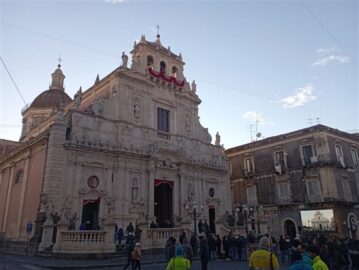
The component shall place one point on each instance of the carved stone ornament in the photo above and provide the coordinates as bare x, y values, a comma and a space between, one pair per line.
92, 182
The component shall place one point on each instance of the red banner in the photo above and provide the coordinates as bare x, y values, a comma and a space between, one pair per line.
159, 182
86, 202
163, 76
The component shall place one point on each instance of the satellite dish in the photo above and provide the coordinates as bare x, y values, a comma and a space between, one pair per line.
258, 135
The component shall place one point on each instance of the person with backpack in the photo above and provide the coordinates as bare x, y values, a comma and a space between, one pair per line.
262, 258
136, 257
179, 262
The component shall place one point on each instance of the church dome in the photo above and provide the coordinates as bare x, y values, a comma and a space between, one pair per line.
51, 98
56, 95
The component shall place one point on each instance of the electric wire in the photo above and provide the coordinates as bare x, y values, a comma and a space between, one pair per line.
13, 81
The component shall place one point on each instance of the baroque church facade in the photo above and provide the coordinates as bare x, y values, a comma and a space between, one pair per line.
129, 149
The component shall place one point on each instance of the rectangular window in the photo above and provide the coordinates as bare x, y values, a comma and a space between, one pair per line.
339, 154
313, 189
163, 123
249, 165
307, 151
346, 189
355, 158
283, 188
252, 195
280, 159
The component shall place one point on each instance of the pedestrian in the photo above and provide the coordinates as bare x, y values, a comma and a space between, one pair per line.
128, 249
297, 263
203, 246
212, 247
225, 247
343, 255
179, 262
136, 257
263, 258
219, 246
138, 233
171, 248
182, 237
194, 244
130, 229
188, 251
318, 263
283, 247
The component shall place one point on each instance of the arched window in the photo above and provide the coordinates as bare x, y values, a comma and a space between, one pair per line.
174, 71
19, 176
162, 67
149, 60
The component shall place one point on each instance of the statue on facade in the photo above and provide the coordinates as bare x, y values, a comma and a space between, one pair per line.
78, 97
124, 60
194, 86
136, 109
218, 139
190, 192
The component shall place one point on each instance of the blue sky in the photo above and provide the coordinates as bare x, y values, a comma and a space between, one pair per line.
284, 61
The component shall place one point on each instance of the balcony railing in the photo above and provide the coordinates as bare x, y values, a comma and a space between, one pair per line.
163, 135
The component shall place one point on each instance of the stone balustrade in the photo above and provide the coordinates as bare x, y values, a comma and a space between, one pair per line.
84, 241
157, 237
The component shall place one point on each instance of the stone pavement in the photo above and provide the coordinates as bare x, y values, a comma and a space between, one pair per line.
149, 262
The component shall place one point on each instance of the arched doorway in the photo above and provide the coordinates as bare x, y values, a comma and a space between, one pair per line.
289, 228
90, 210
163, 203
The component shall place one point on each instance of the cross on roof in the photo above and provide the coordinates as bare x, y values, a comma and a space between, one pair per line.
158, 31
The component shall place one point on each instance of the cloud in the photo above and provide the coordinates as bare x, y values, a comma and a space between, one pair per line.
302, 96
115, 1
325, 51
332, 58
328, 55
253, 116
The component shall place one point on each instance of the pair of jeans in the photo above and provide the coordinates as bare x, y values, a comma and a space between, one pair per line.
135, 264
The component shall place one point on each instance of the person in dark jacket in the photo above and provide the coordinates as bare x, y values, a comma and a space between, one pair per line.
171, 248
129, 248
130, 228
343, 255
203, 245
225, 243
188, 251
194, 244
219, 246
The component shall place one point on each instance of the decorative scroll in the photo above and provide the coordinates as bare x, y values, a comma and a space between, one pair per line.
159, 182
163, 76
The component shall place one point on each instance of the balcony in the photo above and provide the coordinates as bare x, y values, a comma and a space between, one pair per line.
163, 135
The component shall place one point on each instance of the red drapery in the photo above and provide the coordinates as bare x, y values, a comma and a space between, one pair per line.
163, 76
159, 182
86, 202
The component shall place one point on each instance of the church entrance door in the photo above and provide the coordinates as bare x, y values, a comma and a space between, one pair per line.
163, 203
212, 218
90, 211
289, 228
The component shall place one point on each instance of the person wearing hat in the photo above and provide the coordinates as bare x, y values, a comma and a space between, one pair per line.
136, 257
262, 258
179, 262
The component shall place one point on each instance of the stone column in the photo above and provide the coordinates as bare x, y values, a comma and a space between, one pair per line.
22, 197
47, 231
151, 194
9, 187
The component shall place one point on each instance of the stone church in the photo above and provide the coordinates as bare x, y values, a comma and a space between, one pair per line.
130, 148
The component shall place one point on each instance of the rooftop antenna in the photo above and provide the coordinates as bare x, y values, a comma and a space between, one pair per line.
251, 131
310, 121
318, 120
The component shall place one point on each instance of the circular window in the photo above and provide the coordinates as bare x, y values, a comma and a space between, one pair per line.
92, 181
211, 192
